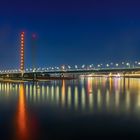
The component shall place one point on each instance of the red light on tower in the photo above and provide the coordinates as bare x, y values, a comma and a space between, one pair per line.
22, 52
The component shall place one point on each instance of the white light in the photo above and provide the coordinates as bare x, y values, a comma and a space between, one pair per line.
83, 66
76, 66
107, 65
69, 67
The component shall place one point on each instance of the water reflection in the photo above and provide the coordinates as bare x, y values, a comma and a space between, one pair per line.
76, 97
113, 95
69, 97
63, 93
22, 128
24, 125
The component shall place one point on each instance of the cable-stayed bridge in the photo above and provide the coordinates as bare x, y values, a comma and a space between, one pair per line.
109, 70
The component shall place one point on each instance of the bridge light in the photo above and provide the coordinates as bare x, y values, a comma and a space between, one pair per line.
128, 64
69, 67
76, 67
107, 65
83, 66
117, 65
22, 52
63, 67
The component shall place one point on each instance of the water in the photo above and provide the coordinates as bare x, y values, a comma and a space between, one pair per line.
83, 108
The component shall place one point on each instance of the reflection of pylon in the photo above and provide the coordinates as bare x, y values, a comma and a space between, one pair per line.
33, 50
22, 52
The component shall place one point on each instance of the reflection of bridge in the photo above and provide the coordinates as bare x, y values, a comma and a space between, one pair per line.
34, 74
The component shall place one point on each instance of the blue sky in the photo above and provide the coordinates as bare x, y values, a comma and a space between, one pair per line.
70, 31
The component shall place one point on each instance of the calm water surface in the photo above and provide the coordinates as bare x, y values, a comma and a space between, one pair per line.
87, 107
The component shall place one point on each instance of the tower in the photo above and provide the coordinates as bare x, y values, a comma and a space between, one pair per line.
34, 46
22, 52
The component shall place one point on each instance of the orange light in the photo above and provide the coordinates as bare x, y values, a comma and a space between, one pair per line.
22, 52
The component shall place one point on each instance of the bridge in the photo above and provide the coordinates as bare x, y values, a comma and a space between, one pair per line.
125, 70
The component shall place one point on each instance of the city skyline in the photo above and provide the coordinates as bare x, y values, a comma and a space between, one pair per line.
70, 32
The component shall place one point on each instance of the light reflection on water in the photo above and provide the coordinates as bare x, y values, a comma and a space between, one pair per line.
87, 94
84, 96
22, 116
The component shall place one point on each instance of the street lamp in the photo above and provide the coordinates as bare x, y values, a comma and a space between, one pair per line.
128, 64
107, 65
117, 65
83, 66
76, 67
99, 66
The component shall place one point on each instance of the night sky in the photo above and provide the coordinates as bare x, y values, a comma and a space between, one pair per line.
70, 31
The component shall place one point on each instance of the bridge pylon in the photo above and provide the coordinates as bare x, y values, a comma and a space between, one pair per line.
22, 44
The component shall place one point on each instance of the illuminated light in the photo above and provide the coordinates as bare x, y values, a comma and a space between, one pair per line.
48, 93
83, 66
83, 98
76, 67
127, 99
22, 53
69, 96
90, 97
128, 64
117, 98
22, 115
107, 99
52, 94
43, 93
99, 98
89, 86
63, 67
118, 75
110, 83
110, 74
107, 65
57, 95
76, 97
63, 93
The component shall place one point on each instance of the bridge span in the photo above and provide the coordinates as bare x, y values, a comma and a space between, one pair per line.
73, 73
67, 73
